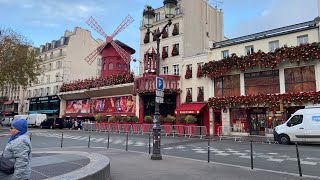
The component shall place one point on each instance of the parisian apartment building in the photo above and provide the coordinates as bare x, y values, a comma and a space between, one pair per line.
255, 82
194, 25
63, 61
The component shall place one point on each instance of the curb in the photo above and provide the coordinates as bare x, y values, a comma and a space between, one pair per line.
97, 169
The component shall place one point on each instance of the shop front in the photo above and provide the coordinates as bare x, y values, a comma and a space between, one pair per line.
49, 105
144, 89
199, 110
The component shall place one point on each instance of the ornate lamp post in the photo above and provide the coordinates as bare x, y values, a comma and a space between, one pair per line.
148, 19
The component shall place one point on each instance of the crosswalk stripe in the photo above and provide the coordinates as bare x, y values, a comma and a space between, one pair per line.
99, 140
308, 163
275, 160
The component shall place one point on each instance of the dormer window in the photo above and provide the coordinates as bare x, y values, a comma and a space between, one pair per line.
62, 41
42, 48
157, 16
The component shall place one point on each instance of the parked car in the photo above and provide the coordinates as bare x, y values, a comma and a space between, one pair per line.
52, 123
36, 119
7, 121
302, 126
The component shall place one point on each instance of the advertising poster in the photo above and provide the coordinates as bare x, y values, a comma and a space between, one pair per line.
121, 104
78, 106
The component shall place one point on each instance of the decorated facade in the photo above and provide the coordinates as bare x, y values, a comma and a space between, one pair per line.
256, 82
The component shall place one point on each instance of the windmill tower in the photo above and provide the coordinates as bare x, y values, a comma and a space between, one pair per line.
116, 56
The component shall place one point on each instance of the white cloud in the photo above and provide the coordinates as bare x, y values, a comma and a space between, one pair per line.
44, 24
50, 24
265, 12
83, 8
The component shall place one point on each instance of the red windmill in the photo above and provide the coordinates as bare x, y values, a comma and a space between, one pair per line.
121, 49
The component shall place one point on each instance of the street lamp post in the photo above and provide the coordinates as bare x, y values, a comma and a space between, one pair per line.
148, 18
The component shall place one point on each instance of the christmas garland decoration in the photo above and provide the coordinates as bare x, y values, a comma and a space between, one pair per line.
97, 82
175, 30
304, 52
200, 97
153, 91
164, 54
199, 72
165, 34
175, 51
188, 97
271, 100
188, 73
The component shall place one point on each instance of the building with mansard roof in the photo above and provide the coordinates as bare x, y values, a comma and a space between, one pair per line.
62, 62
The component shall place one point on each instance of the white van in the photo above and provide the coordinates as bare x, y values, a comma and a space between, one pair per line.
36, 119
20, 117
302, 126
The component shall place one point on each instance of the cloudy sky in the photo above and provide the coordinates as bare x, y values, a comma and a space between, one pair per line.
45, 20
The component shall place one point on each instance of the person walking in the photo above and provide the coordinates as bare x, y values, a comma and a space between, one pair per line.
18, 151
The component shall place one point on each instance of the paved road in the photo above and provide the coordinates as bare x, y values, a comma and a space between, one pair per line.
270, 157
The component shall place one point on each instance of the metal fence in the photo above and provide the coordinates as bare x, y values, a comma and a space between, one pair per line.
167, 130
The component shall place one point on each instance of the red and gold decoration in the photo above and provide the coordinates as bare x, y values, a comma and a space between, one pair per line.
175, 30
97, 82
164, 53
188, 73
165, 34
188, 96
175, 51
302, 53
200, 97
199, 72
270, 100
153, 91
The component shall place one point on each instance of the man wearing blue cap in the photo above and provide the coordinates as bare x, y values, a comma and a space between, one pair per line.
18, 151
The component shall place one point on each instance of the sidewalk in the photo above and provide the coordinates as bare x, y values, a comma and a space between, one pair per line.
138, 166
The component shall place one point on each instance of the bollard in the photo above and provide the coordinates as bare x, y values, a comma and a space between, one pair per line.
127, 142
89, 141
251, 154
208, 150
61, 139
149, 144
298, 158
108, 138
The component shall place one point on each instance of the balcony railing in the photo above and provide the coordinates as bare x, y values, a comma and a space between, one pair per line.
147, 84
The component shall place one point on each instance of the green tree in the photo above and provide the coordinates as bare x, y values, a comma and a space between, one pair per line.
19, 64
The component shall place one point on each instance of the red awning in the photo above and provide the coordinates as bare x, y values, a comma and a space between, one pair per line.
8, 102
190, 108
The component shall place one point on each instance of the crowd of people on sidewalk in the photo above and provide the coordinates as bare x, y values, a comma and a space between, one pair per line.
74, 124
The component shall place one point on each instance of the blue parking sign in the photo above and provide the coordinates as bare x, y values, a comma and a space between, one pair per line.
159, 83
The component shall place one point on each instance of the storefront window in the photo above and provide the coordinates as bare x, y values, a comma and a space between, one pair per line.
239, 120
54, 105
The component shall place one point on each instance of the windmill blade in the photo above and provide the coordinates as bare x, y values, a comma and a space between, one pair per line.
123, 53
95, 25
92, 56
128, 20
